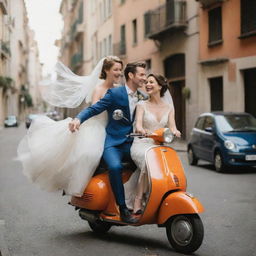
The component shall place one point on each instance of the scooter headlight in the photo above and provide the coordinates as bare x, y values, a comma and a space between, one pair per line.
230, 145
168, 136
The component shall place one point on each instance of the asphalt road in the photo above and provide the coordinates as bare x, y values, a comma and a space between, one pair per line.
43, 224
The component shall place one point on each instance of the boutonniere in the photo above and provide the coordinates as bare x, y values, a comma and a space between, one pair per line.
142, 95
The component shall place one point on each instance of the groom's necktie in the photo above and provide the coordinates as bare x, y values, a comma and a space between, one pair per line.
133, 99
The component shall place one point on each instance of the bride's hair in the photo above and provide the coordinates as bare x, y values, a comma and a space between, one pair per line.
162, 81
108, 63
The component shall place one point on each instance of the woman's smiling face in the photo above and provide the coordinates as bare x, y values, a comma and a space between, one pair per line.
115, 72
152, 87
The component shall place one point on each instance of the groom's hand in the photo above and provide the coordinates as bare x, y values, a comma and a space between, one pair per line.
74, 125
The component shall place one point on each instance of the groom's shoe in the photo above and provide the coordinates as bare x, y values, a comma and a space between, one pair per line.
126, 216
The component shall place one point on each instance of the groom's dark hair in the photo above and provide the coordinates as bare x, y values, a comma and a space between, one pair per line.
132, 67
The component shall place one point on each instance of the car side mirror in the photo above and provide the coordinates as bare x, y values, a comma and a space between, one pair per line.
208, 129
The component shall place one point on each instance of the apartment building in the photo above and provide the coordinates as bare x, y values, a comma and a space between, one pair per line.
20, 69
227, 69
5, 81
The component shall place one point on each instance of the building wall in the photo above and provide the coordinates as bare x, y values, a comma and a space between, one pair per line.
240, 54
232, 47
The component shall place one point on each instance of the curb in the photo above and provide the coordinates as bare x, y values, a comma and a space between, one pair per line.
4, 251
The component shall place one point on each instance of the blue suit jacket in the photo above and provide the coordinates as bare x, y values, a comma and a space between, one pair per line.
115, 98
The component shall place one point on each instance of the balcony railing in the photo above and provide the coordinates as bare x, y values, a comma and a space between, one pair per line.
166, 18
207, 3
76, 60
119, 48
3, 6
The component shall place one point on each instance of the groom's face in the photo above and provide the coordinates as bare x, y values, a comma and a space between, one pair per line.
139, 78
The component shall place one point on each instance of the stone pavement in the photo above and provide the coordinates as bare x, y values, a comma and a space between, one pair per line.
179, 145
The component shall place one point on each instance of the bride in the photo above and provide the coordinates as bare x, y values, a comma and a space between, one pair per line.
153, 114
52, 156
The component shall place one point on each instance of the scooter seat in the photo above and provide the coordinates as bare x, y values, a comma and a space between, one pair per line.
102, 167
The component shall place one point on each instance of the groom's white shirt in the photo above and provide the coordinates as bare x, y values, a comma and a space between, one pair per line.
132, 98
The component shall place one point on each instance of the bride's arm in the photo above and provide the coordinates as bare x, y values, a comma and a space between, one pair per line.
172, 124
139, 120
97, 95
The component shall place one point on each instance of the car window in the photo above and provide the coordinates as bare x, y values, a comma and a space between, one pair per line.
200, 122
208, 122
236, 122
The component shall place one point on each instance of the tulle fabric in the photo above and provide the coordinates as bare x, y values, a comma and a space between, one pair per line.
56, 159
70, 90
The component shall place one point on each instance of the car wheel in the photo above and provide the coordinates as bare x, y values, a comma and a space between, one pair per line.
192, 159
185, 232
219, 163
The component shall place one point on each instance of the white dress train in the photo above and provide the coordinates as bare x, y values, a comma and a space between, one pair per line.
56, 159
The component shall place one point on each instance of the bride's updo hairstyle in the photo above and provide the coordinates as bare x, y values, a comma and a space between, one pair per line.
108, 63
162, 81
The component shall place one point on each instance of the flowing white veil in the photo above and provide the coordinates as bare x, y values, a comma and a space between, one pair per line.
69, 90
168, 98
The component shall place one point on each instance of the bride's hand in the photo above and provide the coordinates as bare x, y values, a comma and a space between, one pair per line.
176, 133
74, 125
141, 131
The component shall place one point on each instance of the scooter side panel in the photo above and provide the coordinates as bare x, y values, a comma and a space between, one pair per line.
95, 196
178, 203
165, 173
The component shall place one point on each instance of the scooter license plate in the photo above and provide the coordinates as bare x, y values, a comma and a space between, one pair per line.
250, 157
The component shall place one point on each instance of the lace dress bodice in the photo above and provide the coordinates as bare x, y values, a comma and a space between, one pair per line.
151, 124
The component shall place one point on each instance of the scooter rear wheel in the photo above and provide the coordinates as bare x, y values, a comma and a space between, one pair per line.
99, 226
185, 232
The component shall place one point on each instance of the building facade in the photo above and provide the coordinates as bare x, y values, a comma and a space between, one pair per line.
20, 70
227, 66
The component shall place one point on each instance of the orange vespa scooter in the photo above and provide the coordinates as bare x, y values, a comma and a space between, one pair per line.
167, 203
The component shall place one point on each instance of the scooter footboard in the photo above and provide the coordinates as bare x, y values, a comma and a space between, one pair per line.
178, 203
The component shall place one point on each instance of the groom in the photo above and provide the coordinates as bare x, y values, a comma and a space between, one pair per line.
117, 144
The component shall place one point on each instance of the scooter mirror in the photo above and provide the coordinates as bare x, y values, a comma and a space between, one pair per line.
118, 115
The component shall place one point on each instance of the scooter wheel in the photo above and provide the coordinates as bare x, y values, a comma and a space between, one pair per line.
185, 232
99, 226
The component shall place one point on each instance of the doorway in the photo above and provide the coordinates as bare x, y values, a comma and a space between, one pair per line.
250, 91
175, 73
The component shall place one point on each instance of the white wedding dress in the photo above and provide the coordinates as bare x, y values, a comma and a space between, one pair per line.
138, 149
56, 159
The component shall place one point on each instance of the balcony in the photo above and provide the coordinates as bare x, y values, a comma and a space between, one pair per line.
119, 48
166, 19
208, 3
76, 60
3, 6
5, 48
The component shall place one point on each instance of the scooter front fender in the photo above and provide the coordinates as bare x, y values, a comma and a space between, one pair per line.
178, 203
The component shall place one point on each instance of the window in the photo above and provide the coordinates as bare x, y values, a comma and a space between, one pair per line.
123, 40
105, 47
200, 123
209, 123
216, 89
134, 30
215, 26
110, 51
248, 18
146, 23
148, 65
109, 7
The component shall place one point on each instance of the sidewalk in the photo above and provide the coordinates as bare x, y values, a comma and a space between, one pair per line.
179, 145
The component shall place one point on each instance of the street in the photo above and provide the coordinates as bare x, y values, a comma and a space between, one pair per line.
43, 224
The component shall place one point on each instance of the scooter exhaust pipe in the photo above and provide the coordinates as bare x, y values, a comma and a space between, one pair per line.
85, 215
